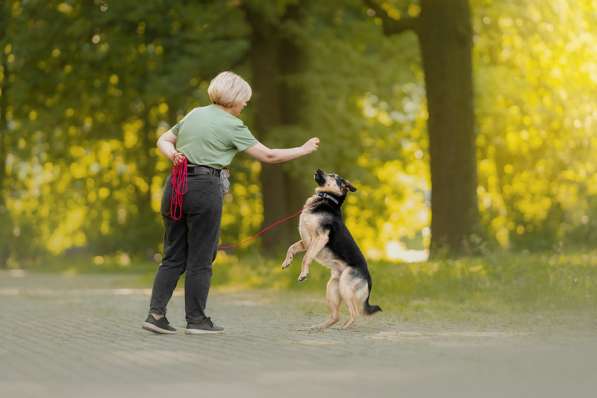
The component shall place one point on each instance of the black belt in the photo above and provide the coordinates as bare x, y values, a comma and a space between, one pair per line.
194, 169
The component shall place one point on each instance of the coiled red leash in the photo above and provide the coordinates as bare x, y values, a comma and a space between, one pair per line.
180, 186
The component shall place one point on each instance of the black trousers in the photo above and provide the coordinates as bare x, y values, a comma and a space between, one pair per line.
190, 245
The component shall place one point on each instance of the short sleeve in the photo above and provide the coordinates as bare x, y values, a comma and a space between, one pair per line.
176, 129
242, 138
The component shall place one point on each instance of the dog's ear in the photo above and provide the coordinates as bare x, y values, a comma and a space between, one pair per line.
350, 187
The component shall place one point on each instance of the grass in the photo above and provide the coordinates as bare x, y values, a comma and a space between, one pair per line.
523, 281
546, 290
496, 284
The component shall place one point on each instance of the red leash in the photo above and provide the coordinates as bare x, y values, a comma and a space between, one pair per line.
258, 234
180, 186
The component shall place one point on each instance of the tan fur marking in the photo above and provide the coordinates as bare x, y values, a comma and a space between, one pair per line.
330, 186
350, 287
314, 247
334, 300
296, 247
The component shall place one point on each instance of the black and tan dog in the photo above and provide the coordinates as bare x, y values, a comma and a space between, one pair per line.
325, 238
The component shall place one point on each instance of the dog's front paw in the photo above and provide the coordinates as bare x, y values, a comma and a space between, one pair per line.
302, 277
286, 263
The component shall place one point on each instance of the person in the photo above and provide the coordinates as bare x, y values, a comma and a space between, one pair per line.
208, 137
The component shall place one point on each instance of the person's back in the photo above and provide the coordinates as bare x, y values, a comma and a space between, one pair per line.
210, 136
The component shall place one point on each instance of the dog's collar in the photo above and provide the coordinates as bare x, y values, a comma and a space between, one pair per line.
331, 197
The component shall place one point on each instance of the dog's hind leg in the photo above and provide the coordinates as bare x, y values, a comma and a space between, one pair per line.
333, 299
356, 301
296, 247
353, 312
348, 290
313, 250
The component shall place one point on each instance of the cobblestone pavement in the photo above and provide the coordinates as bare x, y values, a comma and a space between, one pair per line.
81, 337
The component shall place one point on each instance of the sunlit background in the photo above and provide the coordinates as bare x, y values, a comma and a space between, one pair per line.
87, 87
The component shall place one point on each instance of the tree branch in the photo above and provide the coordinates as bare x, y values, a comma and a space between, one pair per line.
390, 25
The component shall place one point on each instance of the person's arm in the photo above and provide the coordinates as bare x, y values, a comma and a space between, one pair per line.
272, 156
166, 144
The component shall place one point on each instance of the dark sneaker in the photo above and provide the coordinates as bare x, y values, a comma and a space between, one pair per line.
161, 325
202, 327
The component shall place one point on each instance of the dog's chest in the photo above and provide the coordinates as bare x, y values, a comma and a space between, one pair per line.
309, 226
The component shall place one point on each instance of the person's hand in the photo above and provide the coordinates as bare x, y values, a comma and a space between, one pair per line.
311, 145
177, 158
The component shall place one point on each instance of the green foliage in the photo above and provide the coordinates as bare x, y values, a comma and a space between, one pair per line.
536, 121
93, 84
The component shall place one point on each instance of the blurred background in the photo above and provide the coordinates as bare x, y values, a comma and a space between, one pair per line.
468, 127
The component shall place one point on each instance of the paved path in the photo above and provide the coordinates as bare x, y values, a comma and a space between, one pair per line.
81, 337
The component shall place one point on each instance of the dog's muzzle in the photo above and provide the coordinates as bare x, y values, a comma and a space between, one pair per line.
319, 177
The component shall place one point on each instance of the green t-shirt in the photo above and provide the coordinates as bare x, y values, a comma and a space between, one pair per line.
210, 136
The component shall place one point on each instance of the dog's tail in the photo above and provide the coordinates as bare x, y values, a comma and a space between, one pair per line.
368, 308
371, 309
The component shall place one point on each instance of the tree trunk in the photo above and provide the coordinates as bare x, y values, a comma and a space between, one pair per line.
275, 56
293, 98
445, 37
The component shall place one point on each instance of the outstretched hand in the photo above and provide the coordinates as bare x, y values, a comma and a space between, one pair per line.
311, 145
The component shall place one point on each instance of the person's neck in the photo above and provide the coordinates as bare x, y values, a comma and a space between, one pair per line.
229, 110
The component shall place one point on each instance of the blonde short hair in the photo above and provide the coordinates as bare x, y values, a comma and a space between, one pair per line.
229, 89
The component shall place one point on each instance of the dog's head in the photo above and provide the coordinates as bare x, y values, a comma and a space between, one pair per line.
332, 183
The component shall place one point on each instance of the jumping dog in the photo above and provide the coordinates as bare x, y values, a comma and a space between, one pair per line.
325, 238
